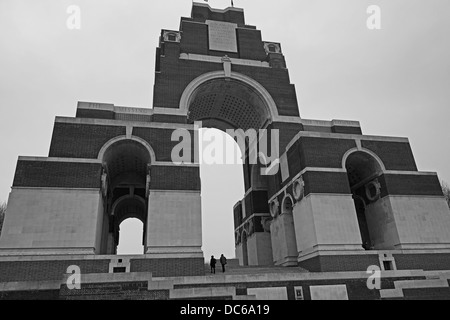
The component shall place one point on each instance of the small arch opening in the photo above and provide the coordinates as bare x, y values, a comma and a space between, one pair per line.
363, 171
132, 231
287, 205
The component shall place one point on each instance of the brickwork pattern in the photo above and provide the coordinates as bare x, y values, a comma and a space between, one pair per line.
175, 178
114, 291
57, 174
395, 155
414, 185
340, 263
169, 267
81, 140
427, 262
47, 270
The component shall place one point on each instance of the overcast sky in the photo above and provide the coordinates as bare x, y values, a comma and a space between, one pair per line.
395, 81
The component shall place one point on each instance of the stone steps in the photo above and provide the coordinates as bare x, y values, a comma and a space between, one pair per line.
440, 280
240, 270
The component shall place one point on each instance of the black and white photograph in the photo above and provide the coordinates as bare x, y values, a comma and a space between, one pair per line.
223, 155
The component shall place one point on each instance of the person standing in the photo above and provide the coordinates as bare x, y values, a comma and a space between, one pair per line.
212, 263
223, 261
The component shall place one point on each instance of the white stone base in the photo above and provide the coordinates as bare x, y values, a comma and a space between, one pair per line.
52, 221
284, 246
174, 224
326, 222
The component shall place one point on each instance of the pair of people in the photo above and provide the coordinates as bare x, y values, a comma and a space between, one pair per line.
212, 263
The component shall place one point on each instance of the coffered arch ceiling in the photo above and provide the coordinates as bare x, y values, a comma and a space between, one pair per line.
228, 103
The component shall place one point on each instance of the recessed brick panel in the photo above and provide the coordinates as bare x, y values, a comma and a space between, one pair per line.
195, 38
48, 174
326, 182
346, 130
30, 295
323, 152
169, 267
340, 263
250, 44
427, 262
169, 118
287, 132
161, 141
137, 290
12, 271
81, 140
94, 114
410, 185
175, 178
276, 81
395, 155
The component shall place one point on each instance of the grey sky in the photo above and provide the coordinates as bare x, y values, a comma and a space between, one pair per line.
395, 81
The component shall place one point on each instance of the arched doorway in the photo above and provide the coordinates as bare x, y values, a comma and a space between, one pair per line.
125, 208
364, 171
125, 180
222, 187
240, 108
131, 230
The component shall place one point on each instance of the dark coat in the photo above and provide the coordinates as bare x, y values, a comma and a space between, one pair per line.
212, 262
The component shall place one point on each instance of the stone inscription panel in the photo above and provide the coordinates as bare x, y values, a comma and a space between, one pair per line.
222, 36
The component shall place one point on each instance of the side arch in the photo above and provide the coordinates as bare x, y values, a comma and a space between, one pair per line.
107, 145
369, 152
287, 204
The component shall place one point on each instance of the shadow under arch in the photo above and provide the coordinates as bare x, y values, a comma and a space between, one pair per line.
244, 239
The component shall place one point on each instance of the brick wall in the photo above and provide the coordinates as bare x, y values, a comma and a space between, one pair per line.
47, 270
326, 182
113, 291
323, 152
48, 174
81, 140
160, 141
256, 202
427, 262
414, 185
250, 45
395, 155
427, 294
169, 118
169, 267
94, 114
175, 178
346, 130
12, 271
30, 295
340, 263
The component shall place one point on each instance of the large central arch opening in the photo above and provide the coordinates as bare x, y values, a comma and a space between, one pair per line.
230, 104
222, 187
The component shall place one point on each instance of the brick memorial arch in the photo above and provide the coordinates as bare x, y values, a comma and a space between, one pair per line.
337, 200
